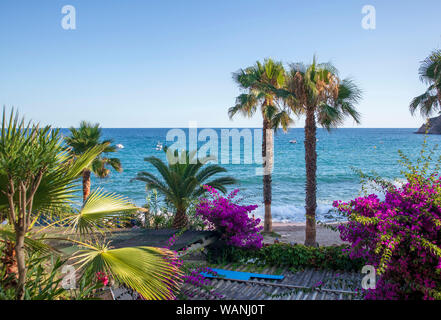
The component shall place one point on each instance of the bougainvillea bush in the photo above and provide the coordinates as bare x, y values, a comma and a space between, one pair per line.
399, 235
231, 219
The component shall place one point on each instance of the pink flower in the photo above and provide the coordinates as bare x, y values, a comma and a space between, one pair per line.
103, 278
398, 235
231, 219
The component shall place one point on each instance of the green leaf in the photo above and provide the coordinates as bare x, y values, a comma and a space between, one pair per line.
144, 269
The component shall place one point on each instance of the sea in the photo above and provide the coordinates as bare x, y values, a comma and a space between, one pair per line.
340, 153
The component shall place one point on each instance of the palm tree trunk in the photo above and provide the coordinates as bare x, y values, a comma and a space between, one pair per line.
267, 155
438, 91
86, 184
180, 221
21, 264
10, 262
311, 182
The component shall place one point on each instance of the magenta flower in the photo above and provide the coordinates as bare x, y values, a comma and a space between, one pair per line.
231, 219
400, 236
103, 278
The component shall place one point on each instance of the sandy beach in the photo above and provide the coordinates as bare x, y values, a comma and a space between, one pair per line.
295, 233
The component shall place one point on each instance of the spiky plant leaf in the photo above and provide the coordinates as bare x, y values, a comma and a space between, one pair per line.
32, 244
146, 270
98, 209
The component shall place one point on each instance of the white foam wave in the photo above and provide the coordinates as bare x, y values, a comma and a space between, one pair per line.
291, 213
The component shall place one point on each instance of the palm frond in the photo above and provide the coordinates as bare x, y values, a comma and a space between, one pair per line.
430, 68
59, 186
282, 119
209, 171
246, 104
34, 245
349, 94
264, 85
99, 207
427, 103
318, 86
221, 182
269, 112
329, 117
430, 74
152, 182
144, 269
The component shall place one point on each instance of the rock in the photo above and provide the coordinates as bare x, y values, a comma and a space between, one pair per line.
434, 126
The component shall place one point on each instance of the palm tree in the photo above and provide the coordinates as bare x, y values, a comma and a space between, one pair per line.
317, 92
181, 181
430, 74
82, 139
38, 178
261, 83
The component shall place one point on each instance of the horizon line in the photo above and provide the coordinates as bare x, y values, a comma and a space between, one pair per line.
183, 127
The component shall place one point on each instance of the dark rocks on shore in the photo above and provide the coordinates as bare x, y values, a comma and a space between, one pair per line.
434, 126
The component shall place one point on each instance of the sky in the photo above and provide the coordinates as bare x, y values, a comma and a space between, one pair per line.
164, 63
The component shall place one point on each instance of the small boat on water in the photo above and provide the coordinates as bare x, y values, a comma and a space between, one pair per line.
159, 146
120, 146
293, 141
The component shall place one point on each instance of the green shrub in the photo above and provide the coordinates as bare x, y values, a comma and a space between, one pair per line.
44, 282
284, 255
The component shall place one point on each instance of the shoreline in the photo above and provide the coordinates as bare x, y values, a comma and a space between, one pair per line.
294, 233
279, 224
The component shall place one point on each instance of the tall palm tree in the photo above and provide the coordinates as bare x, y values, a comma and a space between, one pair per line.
38, 177
181, 181
82, 139
317, 92
430, 74
260, 84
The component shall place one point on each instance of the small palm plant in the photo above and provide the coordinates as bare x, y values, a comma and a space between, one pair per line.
181, 181
430, 74
82, 139
39, 179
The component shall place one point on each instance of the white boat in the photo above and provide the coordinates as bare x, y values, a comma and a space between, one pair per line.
159, 146
120, 146
293, 141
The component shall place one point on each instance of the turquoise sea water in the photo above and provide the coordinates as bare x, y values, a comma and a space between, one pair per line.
338, 151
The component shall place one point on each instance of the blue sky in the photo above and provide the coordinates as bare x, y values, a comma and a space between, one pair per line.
164, 63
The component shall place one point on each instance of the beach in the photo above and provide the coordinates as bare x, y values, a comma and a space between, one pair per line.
295, 233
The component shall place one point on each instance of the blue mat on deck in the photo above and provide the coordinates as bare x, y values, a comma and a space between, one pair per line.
238, 275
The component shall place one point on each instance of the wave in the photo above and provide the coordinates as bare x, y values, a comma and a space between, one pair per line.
293, 213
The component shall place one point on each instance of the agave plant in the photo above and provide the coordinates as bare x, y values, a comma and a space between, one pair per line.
38, 178
182, 180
